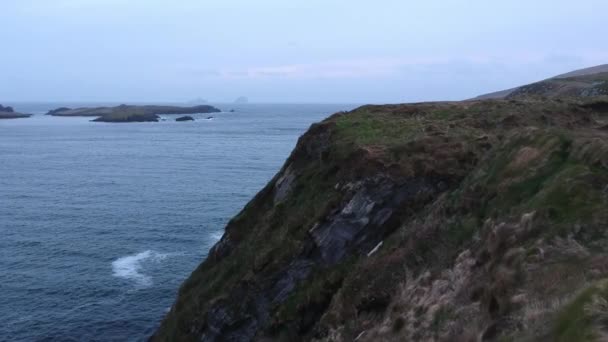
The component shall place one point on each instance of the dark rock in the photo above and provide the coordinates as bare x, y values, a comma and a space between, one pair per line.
135, 117
185, 118
241, 100
365, 220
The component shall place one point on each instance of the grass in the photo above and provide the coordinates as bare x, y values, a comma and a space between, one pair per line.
363, 128
462, 230
575, 322
569, 195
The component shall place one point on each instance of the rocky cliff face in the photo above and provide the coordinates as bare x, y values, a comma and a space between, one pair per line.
479, 220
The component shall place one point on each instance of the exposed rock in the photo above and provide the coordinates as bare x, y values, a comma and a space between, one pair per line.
128, 117
283, 185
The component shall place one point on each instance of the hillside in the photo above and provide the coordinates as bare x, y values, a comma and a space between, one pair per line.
466, 221
584, 82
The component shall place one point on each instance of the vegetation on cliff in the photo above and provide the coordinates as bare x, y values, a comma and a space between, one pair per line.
434, 221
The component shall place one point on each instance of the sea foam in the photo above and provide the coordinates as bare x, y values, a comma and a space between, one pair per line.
130, 267
216, 236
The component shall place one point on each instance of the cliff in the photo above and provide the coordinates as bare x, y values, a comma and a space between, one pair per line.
478, 220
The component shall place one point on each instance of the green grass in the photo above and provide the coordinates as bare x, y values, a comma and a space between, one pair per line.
573, 322
570, 196
462, 230
363, 128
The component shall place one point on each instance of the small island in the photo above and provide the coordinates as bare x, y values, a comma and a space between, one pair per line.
131, 113
9, 113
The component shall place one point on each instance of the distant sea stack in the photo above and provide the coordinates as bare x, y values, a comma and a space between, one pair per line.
7, 112
131, 113
198, 100
241, 100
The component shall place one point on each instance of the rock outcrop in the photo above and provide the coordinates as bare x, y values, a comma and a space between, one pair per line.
185, 118
131, 116
466, 221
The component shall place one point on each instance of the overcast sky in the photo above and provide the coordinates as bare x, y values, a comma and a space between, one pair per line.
290, 50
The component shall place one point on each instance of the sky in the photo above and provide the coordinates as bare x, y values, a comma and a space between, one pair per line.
297, 51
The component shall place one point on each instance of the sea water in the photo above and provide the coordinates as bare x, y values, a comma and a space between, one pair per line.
101, 222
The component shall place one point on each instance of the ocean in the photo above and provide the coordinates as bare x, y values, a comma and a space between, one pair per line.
101, 222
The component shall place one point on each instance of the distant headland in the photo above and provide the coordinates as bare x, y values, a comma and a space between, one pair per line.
9, 113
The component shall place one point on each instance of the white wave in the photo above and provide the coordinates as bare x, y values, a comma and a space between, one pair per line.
130, 267
216, 236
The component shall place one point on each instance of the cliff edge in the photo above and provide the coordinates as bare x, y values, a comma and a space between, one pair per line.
478, 220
